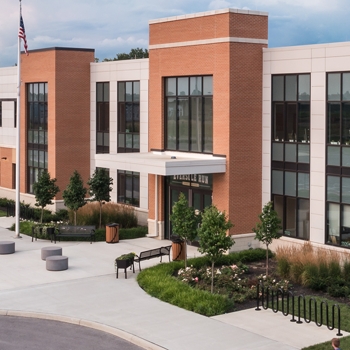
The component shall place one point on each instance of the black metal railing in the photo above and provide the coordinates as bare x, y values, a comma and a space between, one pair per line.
26, 213
298, 307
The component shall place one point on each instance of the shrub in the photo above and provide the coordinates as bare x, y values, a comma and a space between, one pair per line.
160, 282
346, 270
283, 267
111, 212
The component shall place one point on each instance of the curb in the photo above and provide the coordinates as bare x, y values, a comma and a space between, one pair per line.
145, 344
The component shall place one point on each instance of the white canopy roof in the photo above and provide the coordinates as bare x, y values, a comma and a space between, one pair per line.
163, 163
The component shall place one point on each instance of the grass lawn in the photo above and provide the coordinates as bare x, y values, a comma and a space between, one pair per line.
2, 213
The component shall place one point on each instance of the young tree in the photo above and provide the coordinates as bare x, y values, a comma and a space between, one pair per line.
184, 221
45, 189
267, 229
213, 238
74, 194
100, 186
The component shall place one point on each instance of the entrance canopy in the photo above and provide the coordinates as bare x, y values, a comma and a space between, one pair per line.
163, 163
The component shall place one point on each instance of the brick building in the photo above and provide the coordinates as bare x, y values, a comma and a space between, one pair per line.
213, 113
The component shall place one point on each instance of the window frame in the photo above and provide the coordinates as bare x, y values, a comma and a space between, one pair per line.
122, 177
129, 102
37, 131
102, 117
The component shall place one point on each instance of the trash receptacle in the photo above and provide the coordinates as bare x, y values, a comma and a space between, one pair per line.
112, 233
178, 248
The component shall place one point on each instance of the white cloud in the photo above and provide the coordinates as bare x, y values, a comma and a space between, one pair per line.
219, 4
112, 26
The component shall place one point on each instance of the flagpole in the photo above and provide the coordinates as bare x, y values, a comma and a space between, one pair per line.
18, 127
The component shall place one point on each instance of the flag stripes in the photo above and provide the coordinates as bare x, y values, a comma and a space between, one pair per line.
22, 35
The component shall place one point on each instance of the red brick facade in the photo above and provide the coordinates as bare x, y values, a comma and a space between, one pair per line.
236, 68
67, 72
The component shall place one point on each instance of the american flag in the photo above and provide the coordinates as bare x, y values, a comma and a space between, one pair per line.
22, 35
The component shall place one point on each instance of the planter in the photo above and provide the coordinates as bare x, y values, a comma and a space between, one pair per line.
124, 264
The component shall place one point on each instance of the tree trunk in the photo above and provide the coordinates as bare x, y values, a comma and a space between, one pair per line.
267, 260
75, 218
185, 246
100, 214
212, 277
42, 214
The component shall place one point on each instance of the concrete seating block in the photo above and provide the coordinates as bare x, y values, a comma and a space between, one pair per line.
7, 247
50, 251
56, 263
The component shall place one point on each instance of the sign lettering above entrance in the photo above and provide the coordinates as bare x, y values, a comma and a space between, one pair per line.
201, 179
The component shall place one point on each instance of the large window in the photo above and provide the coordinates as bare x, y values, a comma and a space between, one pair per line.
129, 188
102, 117
37, 136
291, 108
290, 163
338, 159
128, 116
189, 114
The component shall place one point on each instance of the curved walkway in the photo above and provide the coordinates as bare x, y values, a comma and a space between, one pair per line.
89, 294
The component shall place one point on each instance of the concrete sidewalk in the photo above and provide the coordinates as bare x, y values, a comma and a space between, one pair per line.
89, 294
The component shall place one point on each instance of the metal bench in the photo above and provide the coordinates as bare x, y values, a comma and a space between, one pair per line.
74, 231
152, 253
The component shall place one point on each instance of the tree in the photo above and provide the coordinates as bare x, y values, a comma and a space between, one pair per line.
100, 186
74, 194
213, 238
45, 189
184, 221
267, 229
133, 54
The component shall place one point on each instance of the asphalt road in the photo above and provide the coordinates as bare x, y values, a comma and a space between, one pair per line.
36, 334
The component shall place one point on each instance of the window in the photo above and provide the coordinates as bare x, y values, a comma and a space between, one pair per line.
37, 135
128, 116
291, 108
102, 117
189, 114
290, 184
338, 159
129, 188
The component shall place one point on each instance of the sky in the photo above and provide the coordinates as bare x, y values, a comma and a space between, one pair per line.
117, 26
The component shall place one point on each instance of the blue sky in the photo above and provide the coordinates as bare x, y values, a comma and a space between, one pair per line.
116, 26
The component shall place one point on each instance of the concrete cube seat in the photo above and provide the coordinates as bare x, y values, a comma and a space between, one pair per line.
50, 251
7, 247
56, 263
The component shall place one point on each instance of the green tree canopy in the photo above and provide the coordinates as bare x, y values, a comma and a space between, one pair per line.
74, 194
133, 54
184, 221
45, 189
267, 229
213, 238
100, 187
